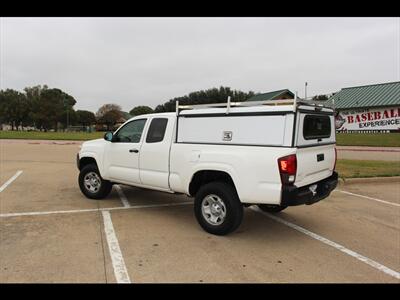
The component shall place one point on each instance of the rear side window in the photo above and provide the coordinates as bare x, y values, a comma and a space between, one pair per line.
316, 127
157, 130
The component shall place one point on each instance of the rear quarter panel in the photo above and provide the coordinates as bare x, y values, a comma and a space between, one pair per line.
253, 169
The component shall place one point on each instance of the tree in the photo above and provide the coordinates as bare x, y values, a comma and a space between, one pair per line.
106, 108
213, 95
38, 112
320, 97
38, 106
85, 117
109, 114
140, 110
14, 108
68, 118
49, 106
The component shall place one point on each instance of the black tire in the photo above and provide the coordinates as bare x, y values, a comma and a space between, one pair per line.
233, 208
104, 188
271, 208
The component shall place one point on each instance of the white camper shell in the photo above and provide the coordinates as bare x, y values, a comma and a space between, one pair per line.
300, 125
265, 123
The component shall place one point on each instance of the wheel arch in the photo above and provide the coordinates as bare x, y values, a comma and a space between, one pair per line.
204, 176
86, 158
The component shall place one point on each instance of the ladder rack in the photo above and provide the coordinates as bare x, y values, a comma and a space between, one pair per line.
294, 102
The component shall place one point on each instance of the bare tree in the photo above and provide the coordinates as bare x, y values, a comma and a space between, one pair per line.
109, 114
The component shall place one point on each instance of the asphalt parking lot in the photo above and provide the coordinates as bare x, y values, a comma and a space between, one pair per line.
369, 153
49, 232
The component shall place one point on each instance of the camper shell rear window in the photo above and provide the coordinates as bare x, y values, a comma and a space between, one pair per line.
316, 127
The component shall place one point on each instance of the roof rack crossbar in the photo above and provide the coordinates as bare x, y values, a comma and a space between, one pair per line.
228, 105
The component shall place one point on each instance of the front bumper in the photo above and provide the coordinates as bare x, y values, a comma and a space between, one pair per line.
293, 195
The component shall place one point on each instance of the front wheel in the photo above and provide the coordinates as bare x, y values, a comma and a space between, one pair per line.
271, 208
217, 208
91, 183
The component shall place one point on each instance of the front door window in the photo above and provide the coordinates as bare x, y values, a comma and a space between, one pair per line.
131, 132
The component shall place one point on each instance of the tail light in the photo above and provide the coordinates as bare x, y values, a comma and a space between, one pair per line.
288, 168
334, 166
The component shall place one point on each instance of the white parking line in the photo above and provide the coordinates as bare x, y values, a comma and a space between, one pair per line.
337, 246
122, 196
370, 198
2, 188
120, 271
38, 213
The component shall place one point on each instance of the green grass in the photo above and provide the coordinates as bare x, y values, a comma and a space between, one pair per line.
368, 139
350, 168
343, 139
36, 135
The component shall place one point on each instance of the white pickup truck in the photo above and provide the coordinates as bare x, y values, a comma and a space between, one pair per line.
273, 154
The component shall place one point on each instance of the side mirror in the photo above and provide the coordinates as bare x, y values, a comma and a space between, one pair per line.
108, 136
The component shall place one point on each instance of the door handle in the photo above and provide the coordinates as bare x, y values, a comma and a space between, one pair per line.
134, 150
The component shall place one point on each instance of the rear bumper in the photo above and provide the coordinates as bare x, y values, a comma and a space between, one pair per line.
292, 195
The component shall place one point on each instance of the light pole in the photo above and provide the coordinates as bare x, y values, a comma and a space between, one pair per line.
66, 105
305, 87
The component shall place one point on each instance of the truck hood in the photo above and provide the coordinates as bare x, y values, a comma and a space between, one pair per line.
92, 144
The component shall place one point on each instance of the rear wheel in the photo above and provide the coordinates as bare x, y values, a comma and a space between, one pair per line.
91, 183
271, 208
217, 208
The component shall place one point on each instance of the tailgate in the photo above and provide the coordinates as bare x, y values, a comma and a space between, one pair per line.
314, 164
315, 132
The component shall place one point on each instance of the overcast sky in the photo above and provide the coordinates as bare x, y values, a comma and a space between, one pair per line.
147, 61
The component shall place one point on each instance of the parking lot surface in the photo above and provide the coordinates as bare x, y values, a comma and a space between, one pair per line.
49, 232
368, 153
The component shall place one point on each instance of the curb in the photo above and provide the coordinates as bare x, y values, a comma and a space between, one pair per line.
369, 150
40, 142
369, 180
